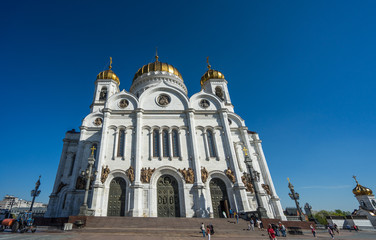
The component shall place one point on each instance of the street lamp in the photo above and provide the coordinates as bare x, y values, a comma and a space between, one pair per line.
295, 196
88, 175
254, 178
35, 193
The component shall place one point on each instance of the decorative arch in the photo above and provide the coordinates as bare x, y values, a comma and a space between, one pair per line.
117, 173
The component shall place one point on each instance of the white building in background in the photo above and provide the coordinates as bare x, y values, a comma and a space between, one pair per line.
367, 202
10, 201
161, 153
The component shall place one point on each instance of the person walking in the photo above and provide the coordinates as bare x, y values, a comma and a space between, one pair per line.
313, 230
231, 212
208, 232
271, 233
203, 229
282, 228
237, 217
330, 231
211, 229
252, 224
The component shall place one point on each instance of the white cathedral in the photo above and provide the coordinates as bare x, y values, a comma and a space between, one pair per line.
161, 153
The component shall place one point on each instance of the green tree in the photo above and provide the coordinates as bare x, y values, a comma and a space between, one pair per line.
321, 215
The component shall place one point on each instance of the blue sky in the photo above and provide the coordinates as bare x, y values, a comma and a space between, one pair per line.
300, 73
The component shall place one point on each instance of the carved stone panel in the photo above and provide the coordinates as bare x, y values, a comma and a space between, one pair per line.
204, 175
130, 174
230, 174
105, 172
188, 175
146, 174
246, 179
267, 189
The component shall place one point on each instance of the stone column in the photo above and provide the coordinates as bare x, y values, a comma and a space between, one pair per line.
137, 208
179, 145
150, 144
160, 144
207, 151
215, 145
198, 186
170, 144
239, 189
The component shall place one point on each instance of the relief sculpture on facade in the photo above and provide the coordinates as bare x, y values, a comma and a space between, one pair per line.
130, 173
230, 174
146, 174
105, 172
267, 189
246, 179
188, 175
204, 175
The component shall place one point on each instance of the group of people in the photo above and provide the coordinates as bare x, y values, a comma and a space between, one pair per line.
208, 231
255, 223
276, 230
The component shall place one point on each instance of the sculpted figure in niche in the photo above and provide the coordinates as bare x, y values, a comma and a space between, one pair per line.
123, 103
163, 100
190, 176
219, 92
184, 172
105, 172
267, 189
204, 103
130, 173
257, 175
230, 174
204, 175
103, 94
80, 183
61, 185
246, 179
146, 174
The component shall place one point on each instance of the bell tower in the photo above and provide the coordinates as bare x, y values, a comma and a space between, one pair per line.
106, 85
365, 197
214, 82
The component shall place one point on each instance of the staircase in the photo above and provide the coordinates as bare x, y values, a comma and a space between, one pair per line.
166, 226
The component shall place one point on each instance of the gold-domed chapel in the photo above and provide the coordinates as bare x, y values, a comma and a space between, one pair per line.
159, 152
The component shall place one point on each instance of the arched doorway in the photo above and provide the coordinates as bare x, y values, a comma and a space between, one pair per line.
219, 197
168, 197
116, 197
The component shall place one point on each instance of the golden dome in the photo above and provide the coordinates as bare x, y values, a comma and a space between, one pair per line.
211, 74
108, 74
157, 66
360, 190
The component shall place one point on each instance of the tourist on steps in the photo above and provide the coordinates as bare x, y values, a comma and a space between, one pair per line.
313, 230
203, 229
208, 231
271, 233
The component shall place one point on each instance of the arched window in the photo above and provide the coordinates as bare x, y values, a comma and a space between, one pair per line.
166, 149
156, 143
121, 143
103, 94
72, 165
175, 143
211, 143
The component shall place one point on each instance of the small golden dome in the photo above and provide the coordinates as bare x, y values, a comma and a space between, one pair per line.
360, 190
211, 74
108, 74
157, 66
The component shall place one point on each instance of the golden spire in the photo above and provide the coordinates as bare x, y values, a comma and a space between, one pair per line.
110, 67
207, 61
288, 179
156, 54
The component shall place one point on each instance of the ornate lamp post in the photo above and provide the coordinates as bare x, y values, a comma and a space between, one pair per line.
295, 196
88, 175
35, 193
254, 177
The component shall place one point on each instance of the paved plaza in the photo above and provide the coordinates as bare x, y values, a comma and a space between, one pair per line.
45, 234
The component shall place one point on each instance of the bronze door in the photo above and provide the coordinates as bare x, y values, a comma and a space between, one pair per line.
218, 194
168, 197
116, 197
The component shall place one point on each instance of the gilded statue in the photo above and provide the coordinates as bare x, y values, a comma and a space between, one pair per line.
146, 174
204, 175
188, 175
105, 172
267, 189
247, 183
61, 185
230, 174
130, 174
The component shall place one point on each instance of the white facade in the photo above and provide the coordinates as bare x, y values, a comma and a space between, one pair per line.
159, 127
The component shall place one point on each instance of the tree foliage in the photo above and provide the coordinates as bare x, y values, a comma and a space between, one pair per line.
321, 215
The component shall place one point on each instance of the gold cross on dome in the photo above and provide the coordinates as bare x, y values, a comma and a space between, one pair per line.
207, 61
355, 179
245, 151
92, 150
110, 63
156, 54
